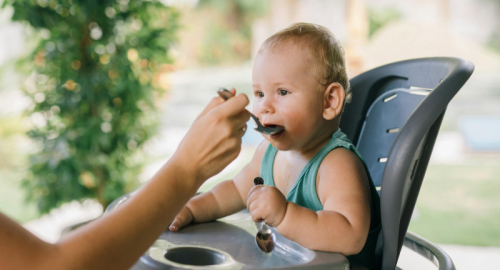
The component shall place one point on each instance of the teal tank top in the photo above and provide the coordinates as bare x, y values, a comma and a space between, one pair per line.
304, 193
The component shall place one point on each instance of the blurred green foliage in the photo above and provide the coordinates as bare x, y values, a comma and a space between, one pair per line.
10, 128
494, 40
91, 77
228, 37
380, 17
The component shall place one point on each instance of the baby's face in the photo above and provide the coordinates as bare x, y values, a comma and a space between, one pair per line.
288, 94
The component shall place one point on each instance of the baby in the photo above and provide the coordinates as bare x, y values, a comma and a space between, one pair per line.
317, 190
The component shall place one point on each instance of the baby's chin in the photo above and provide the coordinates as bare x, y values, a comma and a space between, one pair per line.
290, 143
280, 145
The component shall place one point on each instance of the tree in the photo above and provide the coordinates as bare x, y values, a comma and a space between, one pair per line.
93, 68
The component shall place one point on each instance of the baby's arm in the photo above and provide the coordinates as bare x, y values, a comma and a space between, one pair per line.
342, 225
224, 199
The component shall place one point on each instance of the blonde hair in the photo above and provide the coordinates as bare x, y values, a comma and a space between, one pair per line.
324, 47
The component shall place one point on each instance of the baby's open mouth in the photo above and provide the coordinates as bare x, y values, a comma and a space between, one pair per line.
279, 129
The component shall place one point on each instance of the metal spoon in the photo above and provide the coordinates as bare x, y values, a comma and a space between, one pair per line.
265, 238
225, 94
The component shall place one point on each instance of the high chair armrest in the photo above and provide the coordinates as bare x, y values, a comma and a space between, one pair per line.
428, 250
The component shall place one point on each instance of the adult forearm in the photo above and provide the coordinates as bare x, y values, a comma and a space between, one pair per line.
20, 249
132, 227
322, 230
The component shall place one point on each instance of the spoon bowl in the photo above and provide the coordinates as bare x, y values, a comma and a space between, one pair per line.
265, 238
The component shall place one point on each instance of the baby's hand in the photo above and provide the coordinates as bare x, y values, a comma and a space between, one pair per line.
182, 219
267, 203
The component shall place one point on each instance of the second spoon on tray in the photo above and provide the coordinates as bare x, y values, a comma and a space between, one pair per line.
265, 238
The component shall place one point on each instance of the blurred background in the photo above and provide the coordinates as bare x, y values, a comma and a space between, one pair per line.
96, 95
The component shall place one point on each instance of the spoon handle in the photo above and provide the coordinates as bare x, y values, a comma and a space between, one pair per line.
265, 238
259, 181
224, 93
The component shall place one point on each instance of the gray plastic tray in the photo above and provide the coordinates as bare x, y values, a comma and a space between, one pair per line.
229, 243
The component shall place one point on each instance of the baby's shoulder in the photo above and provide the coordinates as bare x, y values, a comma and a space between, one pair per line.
341, 171
339, 161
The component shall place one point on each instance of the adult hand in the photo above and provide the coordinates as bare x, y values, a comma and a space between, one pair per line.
214, 139
267, 203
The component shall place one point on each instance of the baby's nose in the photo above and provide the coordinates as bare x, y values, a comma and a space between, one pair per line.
266, 106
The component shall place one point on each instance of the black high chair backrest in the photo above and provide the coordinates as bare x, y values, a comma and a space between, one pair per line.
394, 119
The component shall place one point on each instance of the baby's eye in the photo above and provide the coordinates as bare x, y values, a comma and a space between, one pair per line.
259, 94
283, 92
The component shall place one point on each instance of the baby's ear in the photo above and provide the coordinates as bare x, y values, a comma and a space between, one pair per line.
334, 101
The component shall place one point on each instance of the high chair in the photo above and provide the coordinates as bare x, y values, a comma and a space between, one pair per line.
394, 119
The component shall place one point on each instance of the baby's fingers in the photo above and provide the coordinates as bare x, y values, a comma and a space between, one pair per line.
255, 206
257, 213
181, 220
175, 225
254, 193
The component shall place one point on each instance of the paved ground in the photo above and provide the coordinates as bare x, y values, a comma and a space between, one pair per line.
464, 257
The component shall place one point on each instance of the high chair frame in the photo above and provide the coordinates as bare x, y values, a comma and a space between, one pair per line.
394, 120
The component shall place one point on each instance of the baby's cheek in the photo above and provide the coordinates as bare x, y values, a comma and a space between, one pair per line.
255, 110
298, 125
292, 119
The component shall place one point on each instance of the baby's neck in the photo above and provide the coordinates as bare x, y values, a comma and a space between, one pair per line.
313, 147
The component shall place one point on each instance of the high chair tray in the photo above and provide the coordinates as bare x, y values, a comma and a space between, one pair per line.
229, 243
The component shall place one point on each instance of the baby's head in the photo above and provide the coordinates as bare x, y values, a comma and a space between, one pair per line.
328, 54
300, 83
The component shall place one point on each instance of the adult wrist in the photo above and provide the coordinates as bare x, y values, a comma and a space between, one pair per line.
189, 176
